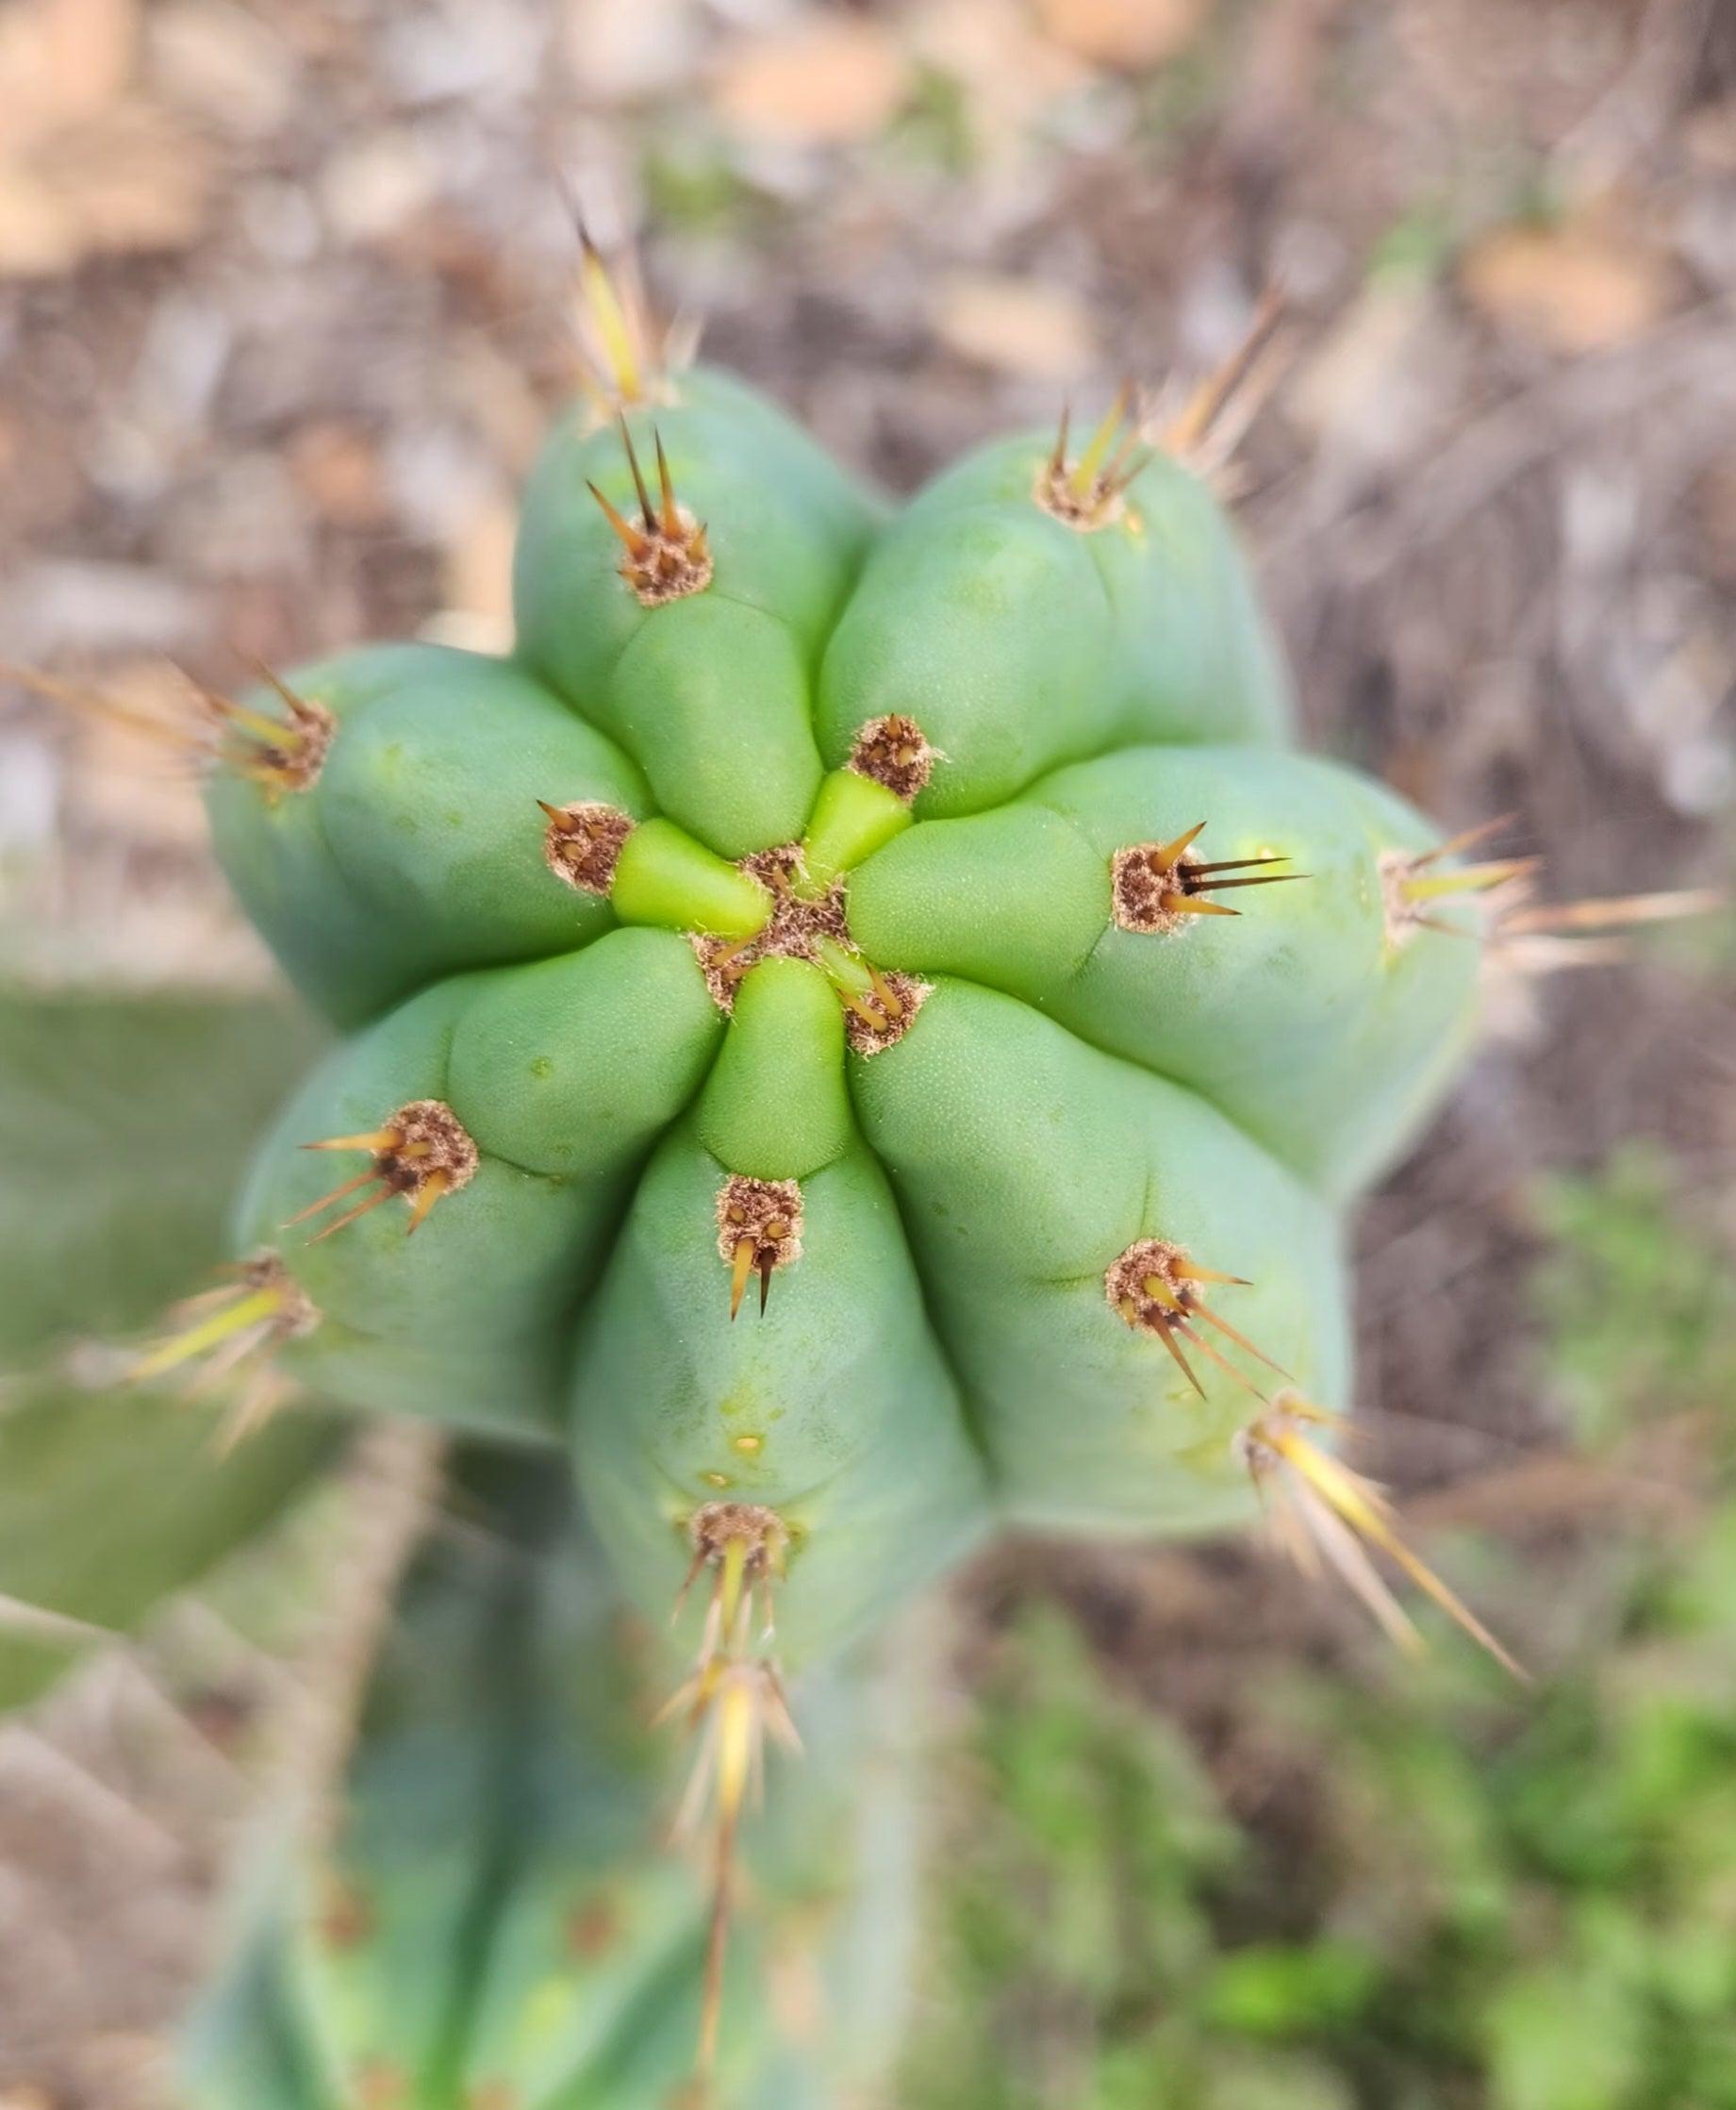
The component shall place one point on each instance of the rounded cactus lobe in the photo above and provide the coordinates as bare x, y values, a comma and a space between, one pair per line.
1016, 897
414, 852
1300, 1017
955, 625
776, 1105
1018, 642
1202, 660
573, 1066
708, 691
833, 1406
1027, 1165
712, 699
467, 1319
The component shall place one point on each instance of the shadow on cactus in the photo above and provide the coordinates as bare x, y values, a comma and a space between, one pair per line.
861, 1027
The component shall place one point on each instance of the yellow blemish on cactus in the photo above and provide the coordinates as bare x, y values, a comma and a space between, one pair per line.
1325, 1515
749, 1446
666, 553
423, 1152
1156, 1288
1155, 887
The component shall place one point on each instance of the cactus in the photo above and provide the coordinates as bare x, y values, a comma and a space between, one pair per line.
493, 1924
797, 1053
861, 1023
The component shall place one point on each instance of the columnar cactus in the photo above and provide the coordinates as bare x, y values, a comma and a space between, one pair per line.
860, 1028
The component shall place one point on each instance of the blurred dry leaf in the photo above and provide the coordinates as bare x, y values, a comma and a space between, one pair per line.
1005, 73
1578, 286
1126, 34
338, 470
1382, 383
619, 53
1019, 325
1709, 136
134, 179
819, 84
375, 188
477, 580
61, 61
226, 63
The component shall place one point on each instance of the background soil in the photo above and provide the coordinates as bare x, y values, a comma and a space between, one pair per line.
284, 306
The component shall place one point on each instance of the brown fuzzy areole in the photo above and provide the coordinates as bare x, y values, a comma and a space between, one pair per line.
582, 844
1124, 1285
766, 1213
792, 931
431, 1140
1138, 887
872, 1039
295, 766
716, 1525
1100, 506
670, 565
423, 1152
892, 751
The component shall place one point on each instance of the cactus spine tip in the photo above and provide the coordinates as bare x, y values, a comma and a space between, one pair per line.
236, 1323
1090, 493
1327, 1516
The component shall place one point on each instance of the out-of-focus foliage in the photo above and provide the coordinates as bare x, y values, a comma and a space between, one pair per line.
122, 1124
1497, 1900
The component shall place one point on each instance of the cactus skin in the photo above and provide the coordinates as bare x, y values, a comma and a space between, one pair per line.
496, 1925
857, 1000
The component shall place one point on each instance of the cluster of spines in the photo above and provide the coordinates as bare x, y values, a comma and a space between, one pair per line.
1324, 1515
422, 1152
666, 554
1156, 886
734, 1701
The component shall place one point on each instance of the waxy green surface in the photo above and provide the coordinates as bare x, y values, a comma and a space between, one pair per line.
497, 1919
942, 1355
